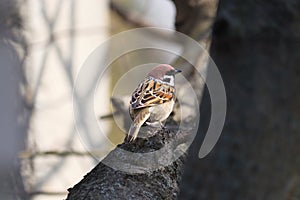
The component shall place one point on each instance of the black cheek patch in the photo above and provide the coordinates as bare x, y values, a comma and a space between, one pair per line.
167, 80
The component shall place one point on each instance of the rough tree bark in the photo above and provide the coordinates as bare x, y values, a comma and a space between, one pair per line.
194, 18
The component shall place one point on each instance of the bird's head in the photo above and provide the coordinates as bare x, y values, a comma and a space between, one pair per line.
165, 73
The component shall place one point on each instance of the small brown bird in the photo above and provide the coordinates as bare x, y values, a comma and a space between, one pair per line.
153, 100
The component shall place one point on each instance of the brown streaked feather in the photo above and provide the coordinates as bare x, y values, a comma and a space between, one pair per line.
151, 93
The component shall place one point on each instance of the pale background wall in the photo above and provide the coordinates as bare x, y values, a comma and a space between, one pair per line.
61, 34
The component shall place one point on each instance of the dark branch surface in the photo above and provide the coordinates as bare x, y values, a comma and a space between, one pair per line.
104, 182
161, 184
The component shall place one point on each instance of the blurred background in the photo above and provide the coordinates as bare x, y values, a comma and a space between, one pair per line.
43, 44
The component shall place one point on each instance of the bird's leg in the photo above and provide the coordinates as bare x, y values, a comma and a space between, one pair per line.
162, 126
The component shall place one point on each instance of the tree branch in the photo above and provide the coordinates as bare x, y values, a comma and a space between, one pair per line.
194, 18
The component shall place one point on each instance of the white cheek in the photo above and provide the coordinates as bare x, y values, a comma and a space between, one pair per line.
172, 80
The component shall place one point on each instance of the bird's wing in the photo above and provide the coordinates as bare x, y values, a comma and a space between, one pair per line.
151, 93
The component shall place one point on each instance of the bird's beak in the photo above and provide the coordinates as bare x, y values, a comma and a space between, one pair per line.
176, 71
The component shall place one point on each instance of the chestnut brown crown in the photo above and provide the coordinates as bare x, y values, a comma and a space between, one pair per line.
160, 71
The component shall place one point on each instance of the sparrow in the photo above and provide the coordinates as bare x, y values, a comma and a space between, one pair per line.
153, 100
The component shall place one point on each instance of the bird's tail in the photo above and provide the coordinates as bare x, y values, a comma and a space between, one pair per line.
139, 120
133, 132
